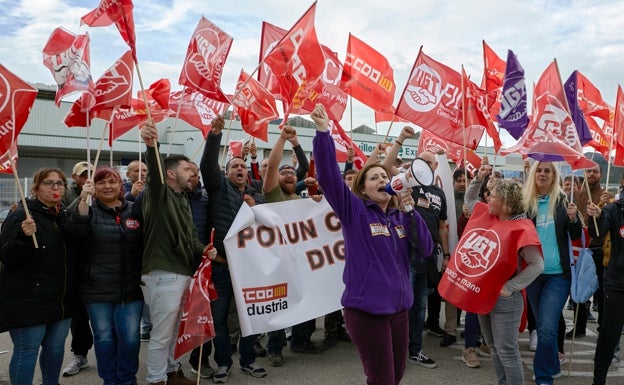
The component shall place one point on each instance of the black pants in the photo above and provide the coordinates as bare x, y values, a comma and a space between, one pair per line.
82, 337
598, 256
194, 358
609, 335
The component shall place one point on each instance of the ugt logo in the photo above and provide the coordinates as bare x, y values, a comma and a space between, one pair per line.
478, 251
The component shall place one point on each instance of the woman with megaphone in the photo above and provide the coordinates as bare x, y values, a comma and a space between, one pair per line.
379, 239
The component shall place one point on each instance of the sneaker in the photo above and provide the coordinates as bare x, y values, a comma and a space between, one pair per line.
254, 370
75, 365
571, 333
563, 359
484, 350
309, 348
533, 341
469, 356
424, 361
447, 340
206, 371
276, 360
590, 317
436, 330
177, 378
145, 337
260, 350
594, 306
221, 375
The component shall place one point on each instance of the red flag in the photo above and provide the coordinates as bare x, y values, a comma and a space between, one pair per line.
493, 75
205, 58
472, 162
590, 99
123, 120
255, 106
368, 76
477, 113
326, 90
16, 99
236, 148
601, 136
118, 12
618, 127
197, 110
388, 115
432, 99
343, 143
196, 325
551, 134
160, 91
5, 160
67, 57
271, 35
430, 142
297, 60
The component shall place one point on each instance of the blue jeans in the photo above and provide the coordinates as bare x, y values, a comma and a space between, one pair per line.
26, 342
220, 308
547, 295
418, 276
500, 330
116, 340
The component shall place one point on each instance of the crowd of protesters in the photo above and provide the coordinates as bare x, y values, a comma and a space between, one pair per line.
101, 258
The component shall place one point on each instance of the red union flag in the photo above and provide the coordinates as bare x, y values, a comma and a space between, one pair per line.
255, 106
326, 91
485, 258
367, 75
590, 99
10, 156
297, 59
493, 75
343, 143
196, 325
618, 127
432, 99
271, 35
195, 109
16, 99
114, 87
388, 115
118, 12
205, 58
432, 143
477, 113
123, 120
67, 57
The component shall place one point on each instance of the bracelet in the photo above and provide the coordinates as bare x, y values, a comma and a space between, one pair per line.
400, 143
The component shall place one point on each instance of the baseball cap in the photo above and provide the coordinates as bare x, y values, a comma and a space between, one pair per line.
286, 166
81, 167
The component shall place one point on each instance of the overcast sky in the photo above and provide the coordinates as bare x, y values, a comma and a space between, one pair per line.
582, 35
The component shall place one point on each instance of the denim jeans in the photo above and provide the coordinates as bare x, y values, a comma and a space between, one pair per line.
547, 294
500, 330
26, 343
418, 276
116, 340
220, 309
163, 292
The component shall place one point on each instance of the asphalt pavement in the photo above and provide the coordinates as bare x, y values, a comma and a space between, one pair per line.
341, 366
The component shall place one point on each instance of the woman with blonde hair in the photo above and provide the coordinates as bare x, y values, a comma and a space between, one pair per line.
555, 219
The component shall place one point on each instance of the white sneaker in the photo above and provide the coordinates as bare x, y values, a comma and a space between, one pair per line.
75, 365
206, 371
533, 341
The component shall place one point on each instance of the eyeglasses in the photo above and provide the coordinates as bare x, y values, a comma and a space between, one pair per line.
50, 183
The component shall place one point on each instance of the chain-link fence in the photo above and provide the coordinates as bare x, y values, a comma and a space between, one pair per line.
9, 193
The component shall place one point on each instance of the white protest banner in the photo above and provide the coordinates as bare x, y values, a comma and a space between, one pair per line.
286, 261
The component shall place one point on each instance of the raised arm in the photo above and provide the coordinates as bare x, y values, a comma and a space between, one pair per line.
302, 159
209, 164
391, 156
271, 178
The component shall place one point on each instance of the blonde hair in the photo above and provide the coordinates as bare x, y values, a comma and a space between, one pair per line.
531, 193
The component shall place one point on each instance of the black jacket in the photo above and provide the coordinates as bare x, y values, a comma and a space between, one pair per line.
110, 262
612, 219
37, 285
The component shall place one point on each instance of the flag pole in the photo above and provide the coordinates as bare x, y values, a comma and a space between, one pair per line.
23, 198
609, 163
175, 121
226, 143
464, 128
97, 154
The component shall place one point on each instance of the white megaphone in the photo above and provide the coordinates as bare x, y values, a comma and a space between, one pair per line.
418, 174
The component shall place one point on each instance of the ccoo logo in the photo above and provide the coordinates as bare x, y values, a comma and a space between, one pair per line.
478, 251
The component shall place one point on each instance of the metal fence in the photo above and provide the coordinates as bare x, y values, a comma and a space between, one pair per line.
9, 193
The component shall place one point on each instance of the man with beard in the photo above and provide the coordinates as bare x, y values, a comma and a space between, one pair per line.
278, 186
226, 195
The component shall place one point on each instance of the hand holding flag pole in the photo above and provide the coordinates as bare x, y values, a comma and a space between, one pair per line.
23, 198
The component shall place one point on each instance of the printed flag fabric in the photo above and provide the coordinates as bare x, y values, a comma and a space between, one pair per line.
271, 35
388, 115
67, 57
343, 142
477, 113
195, 109
493, 75
10, 156
514, 113
297, 60
196, 325
205, 59
255, 106
618, 127
571, 92
118, 12
590, 99
16, 100
432, 143
432, 99
368, 76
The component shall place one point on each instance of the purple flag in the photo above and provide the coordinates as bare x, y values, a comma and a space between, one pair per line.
513, 115
571, 91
